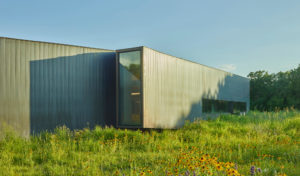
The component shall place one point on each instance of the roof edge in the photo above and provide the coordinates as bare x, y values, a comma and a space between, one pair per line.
55, 43
195, 62
130, 49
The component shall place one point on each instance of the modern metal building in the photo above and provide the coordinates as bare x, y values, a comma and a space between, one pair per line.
45, 85
156, 90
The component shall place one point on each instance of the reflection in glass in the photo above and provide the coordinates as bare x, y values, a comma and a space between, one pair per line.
130, 88
221, 106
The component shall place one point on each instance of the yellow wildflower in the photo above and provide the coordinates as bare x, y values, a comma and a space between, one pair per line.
219, 167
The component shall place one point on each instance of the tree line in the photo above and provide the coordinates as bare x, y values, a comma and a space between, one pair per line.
269, 92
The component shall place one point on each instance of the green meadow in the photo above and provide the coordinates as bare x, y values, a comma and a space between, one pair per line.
259, 143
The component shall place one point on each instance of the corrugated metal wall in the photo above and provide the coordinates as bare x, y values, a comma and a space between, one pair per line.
174, 88
58, 78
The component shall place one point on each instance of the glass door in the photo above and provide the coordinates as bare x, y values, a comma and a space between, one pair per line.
129, 89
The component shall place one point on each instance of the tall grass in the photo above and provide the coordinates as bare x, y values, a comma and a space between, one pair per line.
266, 142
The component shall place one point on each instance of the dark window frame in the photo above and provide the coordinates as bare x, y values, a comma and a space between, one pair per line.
118, 124
223, 106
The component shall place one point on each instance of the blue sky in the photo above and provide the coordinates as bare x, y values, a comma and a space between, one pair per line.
238, 36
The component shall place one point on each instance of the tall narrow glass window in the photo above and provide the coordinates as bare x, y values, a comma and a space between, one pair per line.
130, 88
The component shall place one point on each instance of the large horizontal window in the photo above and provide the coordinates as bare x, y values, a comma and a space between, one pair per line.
221, 106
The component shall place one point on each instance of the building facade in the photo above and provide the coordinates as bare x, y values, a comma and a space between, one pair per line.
45, 85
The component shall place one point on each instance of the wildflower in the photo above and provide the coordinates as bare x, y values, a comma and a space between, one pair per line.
168, 173
219, 167
252, 170
236, 167
259, 170
233, 172
206, 155
282, 174
149, 171
187, 173
227, 165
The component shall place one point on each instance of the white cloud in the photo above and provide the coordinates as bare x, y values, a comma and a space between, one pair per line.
228, 67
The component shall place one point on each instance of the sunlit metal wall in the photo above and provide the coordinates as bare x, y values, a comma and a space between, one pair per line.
47, 84
173, 89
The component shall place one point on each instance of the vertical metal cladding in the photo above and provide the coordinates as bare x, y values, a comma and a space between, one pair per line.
43, 85
173, 89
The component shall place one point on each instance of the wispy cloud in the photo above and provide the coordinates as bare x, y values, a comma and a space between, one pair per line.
228, 67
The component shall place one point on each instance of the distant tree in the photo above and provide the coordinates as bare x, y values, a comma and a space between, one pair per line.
295, 87
271, 91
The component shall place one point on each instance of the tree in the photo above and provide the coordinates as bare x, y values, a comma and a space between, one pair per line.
271, 91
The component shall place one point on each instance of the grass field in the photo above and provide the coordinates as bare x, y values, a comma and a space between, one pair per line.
255, 144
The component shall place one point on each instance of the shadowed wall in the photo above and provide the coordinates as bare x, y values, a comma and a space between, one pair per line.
76, 91
15, 58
